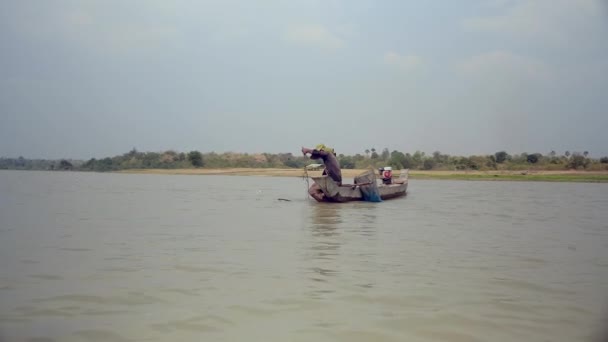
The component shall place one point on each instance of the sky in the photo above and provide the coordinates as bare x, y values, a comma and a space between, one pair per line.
85, 78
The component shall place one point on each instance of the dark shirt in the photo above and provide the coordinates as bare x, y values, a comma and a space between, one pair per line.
332, 166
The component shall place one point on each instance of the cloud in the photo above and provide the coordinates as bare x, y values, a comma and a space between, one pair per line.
552, 21
313, 35
403, 62
93, 26
505, 65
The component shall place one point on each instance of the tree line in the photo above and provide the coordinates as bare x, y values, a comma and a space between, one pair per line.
418, 160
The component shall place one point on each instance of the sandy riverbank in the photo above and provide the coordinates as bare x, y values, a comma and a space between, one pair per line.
558, 176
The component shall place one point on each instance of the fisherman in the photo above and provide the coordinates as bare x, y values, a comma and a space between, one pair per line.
332, 167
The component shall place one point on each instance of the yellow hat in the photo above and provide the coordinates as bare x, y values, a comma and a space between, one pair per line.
322, 147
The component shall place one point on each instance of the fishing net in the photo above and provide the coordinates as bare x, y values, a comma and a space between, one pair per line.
305, 178
368, 186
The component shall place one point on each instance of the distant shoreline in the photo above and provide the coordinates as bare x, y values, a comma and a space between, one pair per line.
532, 175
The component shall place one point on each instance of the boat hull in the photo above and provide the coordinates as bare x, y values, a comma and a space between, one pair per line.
347, 193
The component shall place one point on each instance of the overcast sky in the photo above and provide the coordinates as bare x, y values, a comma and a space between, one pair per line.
84, 79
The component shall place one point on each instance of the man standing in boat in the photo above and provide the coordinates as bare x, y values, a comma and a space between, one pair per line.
332, 167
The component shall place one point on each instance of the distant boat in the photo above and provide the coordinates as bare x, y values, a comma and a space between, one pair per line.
313, 166
346, 193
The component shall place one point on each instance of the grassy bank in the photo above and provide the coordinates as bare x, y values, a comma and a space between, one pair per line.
586, 177
539, 176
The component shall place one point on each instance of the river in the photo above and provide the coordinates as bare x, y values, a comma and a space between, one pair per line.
124, 257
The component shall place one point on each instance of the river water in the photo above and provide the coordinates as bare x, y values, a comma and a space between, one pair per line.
117, 257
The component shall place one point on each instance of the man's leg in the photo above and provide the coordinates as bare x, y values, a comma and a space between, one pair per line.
315, 192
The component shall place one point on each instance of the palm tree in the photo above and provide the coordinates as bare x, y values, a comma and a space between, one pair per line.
586, 153
367, 152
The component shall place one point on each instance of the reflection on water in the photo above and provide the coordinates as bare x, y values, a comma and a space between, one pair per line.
324, 218
109, 257
365, 215
324, 252
332, 227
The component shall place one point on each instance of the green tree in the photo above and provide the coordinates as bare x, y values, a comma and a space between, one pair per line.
293, 163
440, 159
396, 160
151, 160
533, 158
65, 165
132, 153
500, 157
347, 162
395, 164
385, 154
464, 163
195, 158
105, 164
578, 161
401, 161
428, 164
20, 162
408, 162
604, 160
417, 159
553, 159
480, 162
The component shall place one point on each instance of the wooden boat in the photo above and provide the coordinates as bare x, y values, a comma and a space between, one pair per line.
348, 192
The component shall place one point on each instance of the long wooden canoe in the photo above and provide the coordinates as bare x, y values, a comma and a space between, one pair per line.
346, 193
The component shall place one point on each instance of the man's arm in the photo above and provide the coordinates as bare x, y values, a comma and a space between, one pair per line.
305, 150
314, 154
